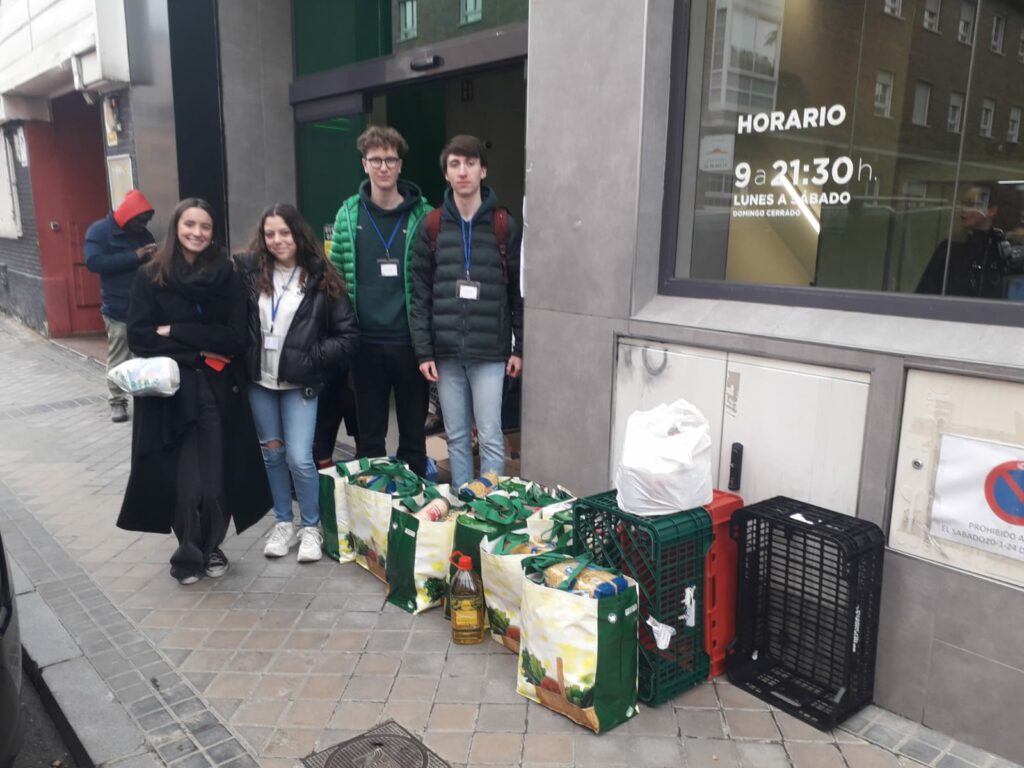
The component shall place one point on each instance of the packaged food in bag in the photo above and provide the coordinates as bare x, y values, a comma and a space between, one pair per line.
587, 580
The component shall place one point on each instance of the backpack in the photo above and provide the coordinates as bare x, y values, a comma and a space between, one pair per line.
499, 224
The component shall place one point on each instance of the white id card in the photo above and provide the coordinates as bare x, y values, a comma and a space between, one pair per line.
388, 268
271, 342
467, 289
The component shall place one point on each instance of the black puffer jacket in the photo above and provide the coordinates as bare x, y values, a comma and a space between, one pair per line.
321, 340
443, 325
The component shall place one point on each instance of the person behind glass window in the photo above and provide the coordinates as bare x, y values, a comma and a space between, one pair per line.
979, 263
195, 458
302, 333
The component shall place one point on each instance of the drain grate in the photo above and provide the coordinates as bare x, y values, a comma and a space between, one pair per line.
388, 745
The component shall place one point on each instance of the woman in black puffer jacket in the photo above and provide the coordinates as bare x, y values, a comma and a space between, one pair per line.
302, 330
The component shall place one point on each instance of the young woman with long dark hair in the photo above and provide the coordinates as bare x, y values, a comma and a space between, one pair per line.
195, 458
302, 333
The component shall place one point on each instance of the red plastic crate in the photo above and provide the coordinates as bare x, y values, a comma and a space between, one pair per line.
720, 581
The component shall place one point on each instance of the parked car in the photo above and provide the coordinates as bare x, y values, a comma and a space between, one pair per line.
10, 667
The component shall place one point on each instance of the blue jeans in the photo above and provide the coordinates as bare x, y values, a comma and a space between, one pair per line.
286, 416
472, 391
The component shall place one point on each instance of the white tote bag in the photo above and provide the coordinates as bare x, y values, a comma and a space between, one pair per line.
666, 461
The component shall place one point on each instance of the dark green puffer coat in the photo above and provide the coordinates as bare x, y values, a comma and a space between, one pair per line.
443, 325
343, 244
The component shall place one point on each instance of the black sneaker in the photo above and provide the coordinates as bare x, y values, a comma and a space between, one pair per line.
216, 564
119, 413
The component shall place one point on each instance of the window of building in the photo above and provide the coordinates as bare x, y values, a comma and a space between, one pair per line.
883, 93
956, 111
777, 187
922, 100
10, 214
407, 19
894, 7
988, 116
965, 29
472, 10
998, 33
932, 9
1013, 125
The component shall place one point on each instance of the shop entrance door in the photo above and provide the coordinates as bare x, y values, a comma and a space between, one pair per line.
69, 190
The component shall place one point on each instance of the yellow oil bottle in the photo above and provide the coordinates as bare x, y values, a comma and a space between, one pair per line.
467, 602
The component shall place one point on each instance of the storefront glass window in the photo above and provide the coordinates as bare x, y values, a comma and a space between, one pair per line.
440, 20
857, 145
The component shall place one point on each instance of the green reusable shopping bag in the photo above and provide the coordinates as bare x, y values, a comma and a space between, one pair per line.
334, 518
370, 495
490, 517
578, 655
418, 553
502, 576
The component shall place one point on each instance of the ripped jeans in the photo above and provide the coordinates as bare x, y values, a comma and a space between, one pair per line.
286, 416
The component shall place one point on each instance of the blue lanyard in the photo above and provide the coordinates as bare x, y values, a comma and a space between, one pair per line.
467, 244
386, 243
275, 304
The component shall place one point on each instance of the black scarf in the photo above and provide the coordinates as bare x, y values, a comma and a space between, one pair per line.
202, 279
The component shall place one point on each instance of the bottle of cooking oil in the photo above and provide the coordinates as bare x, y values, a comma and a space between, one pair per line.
467, 601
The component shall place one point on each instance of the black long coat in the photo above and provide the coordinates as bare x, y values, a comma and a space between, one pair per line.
217, 324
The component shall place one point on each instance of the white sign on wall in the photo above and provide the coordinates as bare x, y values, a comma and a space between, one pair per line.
979, 495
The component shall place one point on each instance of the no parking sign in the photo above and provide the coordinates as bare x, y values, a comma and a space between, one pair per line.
979, 495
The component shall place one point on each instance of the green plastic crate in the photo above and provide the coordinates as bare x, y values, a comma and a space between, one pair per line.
665, 555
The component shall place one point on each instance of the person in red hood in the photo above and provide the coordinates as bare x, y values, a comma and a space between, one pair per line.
115, 246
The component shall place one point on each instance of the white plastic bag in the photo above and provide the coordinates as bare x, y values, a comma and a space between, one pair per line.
666, 461
147, 376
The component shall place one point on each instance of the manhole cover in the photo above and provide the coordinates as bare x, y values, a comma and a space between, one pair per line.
388, 745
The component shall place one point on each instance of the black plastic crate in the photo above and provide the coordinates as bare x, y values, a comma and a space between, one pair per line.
809, 585
665, 556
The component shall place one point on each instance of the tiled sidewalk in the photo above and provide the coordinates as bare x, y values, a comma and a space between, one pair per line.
276, 660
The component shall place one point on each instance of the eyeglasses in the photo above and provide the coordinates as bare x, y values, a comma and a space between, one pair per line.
376, 162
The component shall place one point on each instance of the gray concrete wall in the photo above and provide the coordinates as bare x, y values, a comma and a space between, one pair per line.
259, 129
597, 126
152, 108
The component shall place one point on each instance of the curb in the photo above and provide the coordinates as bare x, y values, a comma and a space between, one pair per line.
95, 726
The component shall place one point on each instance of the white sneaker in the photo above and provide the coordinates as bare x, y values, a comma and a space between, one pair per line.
282, 539
310, 542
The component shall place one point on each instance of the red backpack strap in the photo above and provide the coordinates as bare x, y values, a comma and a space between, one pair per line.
433, 230
500, 224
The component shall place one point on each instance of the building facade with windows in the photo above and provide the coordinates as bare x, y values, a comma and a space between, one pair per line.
97, 97
806, 219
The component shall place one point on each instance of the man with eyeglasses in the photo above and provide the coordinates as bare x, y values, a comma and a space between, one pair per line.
373, 234
978, 264
116, 246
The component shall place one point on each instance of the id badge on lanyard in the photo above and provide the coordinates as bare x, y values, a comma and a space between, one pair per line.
467, 289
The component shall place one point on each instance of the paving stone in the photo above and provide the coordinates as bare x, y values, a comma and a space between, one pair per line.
762, 755
918, 750
750, 724
548, 748
43, 637
810, 755
225, 751
797, 730
952, 761
499, 748
411, 715
265, 712
882, 735
698, 723
711, 752
502, 717
309, 714
868, 756
453, 717
735, 698
971, 754
449, 746
356, 715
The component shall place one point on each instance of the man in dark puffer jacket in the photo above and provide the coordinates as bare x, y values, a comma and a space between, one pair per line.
115, 247
466, 314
